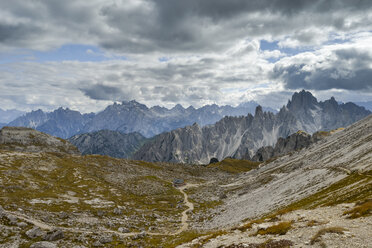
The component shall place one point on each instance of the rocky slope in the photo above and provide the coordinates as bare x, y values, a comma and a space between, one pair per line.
320, 227
29, 140
293, 142
316, 197
128, 117
106, 142
240, 137
344, 155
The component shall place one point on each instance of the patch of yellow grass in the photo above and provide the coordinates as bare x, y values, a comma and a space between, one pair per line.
280, 229
361, 210
321, 232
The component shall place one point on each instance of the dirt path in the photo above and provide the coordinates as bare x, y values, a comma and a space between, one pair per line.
31, 220
190, 207
184, 220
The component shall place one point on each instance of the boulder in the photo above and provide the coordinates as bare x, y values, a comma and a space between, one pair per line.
213, 160
118, 211
43, 244
123, 230
105, 239
53, 235
35, 232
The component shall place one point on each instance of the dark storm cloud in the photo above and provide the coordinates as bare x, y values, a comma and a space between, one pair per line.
187, 25
348, 69
18, 33
103, 92
168, 25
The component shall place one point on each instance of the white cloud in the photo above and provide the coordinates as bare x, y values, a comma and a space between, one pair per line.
213, 51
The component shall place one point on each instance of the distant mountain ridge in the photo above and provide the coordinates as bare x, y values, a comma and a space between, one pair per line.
61, 122
9, 115
128, 117
367, 105
107, 142
240, 137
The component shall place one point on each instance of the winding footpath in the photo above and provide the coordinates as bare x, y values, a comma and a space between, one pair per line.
190, 207
184, 221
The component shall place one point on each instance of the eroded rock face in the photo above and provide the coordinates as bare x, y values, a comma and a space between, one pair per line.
29, 140
296, 141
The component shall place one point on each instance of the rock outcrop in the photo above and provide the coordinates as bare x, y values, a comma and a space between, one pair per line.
241, 137
294, 142
29, 140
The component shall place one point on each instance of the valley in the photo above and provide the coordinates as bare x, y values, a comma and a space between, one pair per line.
68, 200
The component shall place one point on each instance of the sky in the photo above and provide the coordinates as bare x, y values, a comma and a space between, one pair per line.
85, 55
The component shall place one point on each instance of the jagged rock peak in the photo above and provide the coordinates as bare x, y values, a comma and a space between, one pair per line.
133, 103
302, 99
240, 137
29, 140
178, 107
258, 111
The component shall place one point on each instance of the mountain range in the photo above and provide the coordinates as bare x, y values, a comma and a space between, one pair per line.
128, 117
240, 137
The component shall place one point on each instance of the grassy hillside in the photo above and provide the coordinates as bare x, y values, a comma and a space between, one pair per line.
96, 193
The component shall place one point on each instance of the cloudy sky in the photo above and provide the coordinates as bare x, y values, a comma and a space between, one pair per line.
87, 54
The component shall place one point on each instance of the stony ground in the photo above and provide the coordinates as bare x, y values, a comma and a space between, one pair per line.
339, 230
